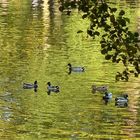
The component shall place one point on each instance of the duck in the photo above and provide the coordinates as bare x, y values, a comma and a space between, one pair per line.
30, 85
107, 96
52, 88
99, 88
122, 99
75, 69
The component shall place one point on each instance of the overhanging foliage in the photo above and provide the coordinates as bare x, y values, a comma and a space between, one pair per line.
118, 43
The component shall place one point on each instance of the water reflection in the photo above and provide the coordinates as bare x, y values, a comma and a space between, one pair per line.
35, 3
6, 113
4, 6
7, 97
121, 104
38, 42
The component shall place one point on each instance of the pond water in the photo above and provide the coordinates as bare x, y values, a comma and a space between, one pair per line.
37, 42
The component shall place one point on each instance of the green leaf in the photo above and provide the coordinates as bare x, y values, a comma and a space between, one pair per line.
103, 45
96, 33
136, 74
61, 8
136, 34
80, 31
122, 12
85, 8
89, 32
118, 60
103, 41
73, 4
114, 59
68, 12
127, 19
67, 4
108, 57
114, 46
109, 48
84, 16
112, 31
131, 71
103, 7
113, 36
113, 10
122, 22
123, 56
104, 35
93, 24
135, 63
104, 51
107, 27
112, 18
106, 15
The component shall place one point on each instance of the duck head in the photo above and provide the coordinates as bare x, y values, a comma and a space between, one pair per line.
70, 68
49, 84
125, 96
69, 64
35, 85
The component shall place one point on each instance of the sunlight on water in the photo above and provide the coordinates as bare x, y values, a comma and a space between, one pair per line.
37, 42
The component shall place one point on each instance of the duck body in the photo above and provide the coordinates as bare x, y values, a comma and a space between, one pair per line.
122, 99
99, 88
30, 85
107, 96
75, 69
51, 88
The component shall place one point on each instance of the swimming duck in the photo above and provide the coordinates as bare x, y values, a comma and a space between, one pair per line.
75, 69
107, 96
99, 88
52, 88
29, 85
122, 99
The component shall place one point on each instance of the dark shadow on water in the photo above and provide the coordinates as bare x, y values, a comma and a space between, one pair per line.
106, 101
50, 92
69, 72
121, 105
35, 89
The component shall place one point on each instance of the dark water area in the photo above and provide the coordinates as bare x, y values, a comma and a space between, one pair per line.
37, 42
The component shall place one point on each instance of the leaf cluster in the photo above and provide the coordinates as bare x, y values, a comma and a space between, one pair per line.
118, 43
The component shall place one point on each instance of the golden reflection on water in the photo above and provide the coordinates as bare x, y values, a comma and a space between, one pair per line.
4, 5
